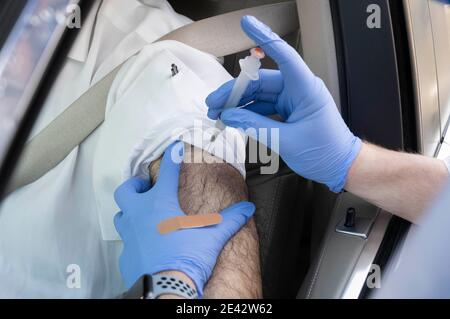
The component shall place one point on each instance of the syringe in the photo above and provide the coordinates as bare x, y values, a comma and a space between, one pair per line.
250, 66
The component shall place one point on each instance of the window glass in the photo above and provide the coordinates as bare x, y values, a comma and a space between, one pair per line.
23, 59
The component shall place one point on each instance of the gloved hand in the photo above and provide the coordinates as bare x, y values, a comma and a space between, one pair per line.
191, 251
314, 141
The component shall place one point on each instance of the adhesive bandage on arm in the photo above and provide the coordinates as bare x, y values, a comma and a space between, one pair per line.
186, 222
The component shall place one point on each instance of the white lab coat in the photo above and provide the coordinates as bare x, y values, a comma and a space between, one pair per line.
148, 109
50, 243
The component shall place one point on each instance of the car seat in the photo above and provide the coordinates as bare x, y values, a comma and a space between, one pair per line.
286, 203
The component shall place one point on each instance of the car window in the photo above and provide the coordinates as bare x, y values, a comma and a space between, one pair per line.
23, 58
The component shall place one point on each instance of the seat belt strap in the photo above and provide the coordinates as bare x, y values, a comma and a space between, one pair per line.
48, 148
220, 36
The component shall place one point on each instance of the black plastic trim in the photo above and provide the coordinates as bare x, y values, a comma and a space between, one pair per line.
340, 58
405, 72
396, 231
368, 72
10, 11
377, 96
398, 227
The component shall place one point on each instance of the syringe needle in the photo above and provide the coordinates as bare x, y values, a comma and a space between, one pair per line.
250, 66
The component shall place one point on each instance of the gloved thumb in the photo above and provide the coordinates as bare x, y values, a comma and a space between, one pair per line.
169, 172
128, 189
257, 126
234, 217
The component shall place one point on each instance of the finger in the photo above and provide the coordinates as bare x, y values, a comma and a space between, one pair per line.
234, 217
217, 99
169, 172
262, 108
262, 103
288, 60
129, 188
269, 81
266, 88
260, 97
118, 223
257, 126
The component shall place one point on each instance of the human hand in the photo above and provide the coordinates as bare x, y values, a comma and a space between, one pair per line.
191, 251
314, 140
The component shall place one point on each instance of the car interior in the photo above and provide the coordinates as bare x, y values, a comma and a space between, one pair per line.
314, 243
300, 250
291, 211
305, 251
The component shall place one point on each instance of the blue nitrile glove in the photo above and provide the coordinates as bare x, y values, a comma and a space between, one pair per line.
191, 251
314, 141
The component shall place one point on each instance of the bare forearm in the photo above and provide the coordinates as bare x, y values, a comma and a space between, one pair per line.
403, 184
209, 186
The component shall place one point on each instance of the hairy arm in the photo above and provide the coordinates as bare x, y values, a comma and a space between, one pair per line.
403, 184
208, 185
